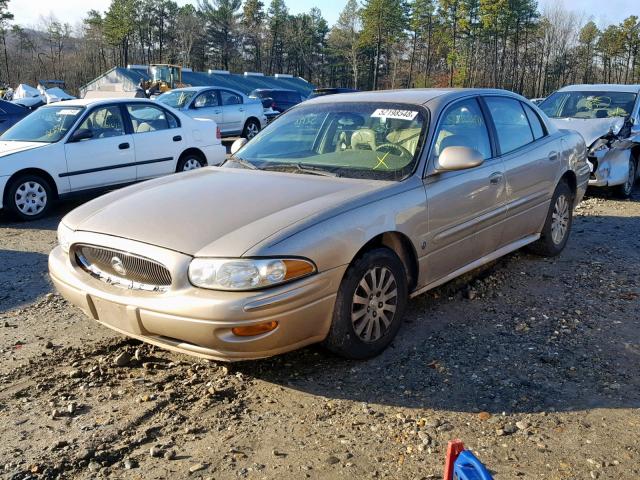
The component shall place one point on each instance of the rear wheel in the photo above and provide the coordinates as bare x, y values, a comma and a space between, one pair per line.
555, 233
251, 129
29, 197
369, 306
190, 161
625, 190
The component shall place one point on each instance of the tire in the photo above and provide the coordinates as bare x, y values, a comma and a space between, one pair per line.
557, 226
191, 161
29, 197
251, 129
626, 189
358, 329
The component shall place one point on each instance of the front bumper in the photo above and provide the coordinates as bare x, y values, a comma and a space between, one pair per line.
198, 322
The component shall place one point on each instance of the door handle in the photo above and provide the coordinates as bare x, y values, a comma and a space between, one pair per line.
241, 109
496, 178
217, 112
123, 146
553, 156
177, 138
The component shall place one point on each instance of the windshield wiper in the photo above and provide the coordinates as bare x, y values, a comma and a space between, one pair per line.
302, 168
240, 161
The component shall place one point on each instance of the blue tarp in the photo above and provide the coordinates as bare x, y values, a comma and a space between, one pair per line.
242, 83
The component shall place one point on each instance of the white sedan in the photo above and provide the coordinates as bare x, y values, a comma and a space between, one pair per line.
81, 146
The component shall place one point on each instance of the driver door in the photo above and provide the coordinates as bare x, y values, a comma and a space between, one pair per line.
466, 208
107, 158
207, 105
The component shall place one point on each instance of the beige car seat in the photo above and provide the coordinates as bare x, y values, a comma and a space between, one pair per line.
406, 137
363, 139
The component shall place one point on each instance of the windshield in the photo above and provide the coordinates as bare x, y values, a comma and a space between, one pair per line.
46, 125
176, 99
588, 104
358, 140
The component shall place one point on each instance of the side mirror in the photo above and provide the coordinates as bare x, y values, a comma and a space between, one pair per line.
458, 158
238, 144
81, 134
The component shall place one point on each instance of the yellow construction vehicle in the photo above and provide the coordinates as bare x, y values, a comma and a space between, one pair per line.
164, 77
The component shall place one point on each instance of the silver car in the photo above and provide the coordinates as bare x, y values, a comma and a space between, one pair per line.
235, 113
608, 117
324, 225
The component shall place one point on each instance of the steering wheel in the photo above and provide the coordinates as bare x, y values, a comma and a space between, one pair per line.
396, 150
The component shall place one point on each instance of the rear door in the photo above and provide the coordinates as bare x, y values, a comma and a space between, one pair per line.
158, 139
233, 111
207, 105
107, 158
466, 207
532, 163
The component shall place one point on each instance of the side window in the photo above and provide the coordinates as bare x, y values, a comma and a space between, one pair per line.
104, 122
463, 125
230, 98
207, 99
536, 124
293, 97
511, 123
149, 118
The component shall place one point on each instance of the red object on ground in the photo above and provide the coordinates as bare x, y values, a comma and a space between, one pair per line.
454, 449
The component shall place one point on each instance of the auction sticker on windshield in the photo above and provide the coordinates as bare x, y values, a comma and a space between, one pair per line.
68, 111
394, 113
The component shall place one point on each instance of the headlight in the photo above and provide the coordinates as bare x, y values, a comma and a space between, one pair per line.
64, 237
246, 274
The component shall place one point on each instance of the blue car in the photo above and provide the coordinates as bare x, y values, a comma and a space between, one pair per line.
10, 114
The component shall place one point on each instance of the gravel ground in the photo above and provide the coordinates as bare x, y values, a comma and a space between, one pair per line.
532, 362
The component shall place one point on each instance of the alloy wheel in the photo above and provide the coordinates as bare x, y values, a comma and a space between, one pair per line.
191, 164
252, 130
628, 186
30, 198
560, 219
374, 304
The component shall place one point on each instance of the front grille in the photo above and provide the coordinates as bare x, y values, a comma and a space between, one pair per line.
113, 266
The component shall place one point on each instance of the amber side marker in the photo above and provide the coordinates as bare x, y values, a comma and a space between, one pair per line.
254, 329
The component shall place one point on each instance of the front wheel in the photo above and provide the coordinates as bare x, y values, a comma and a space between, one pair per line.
557, 226
251, 129
29, 197
625, 190
369, 305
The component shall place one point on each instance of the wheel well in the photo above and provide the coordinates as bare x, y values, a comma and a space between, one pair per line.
569, 178
401, 246
635, 153
193, 151
33, 171
252, 118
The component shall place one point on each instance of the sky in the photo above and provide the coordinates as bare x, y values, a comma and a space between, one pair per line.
28, 12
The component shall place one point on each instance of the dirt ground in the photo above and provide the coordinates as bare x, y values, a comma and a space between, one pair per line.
532, 362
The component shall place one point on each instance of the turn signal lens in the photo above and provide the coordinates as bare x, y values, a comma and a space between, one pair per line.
218, 133
297, 269
252, 330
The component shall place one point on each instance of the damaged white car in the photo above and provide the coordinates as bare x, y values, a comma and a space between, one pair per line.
607, 117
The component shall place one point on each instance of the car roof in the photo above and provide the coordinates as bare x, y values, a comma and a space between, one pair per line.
202, 88
417, 96
274, 90
611, 87
86, 102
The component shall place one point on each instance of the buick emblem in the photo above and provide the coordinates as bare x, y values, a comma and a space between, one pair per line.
118, 266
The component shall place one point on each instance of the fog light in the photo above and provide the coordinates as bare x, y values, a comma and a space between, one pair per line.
252, 330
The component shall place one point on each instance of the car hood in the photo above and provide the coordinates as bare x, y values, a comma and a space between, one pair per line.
9, 147
591, 129
214, 211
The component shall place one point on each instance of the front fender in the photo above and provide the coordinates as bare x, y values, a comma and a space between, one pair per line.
335, 241
618, 160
